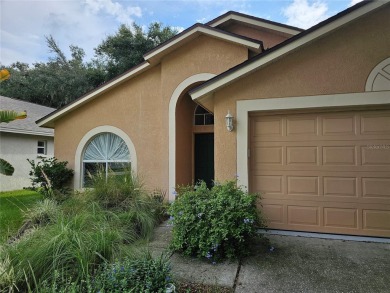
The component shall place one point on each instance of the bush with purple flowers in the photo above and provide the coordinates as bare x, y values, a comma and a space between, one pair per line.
145, 274
214, 223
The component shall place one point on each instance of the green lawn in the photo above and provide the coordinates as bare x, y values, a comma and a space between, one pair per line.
11, 205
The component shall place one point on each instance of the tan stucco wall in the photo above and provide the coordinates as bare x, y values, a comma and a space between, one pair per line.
140, 106
338, 63
269, 38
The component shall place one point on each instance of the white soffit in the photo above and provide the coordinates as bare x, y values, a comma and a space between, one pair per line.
203, 92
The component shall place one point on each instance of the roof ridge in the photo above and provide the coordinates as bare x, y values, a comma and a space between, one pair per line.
231, 12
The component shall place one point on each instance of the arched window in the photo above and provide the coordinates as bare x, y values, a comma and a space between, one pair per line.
203, 117
105, 152
379, 78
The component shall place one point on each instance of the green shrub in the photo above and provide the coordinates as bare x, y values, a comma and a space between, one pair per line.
51, 177
143, 274
214, 223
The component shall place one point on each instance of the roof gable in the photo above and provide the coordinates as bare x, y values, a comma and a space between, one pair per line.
206, 90
152, 58
232, 16
155, 55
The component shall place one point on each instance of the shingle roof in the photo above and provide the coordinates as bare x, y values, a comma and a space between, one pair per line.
27, 125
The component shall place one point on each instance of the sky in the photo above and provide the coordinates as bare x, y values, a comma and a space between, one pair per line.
85, 23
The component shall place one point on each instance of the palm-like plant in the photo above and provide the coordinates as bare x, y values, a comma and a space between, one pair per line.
7, 116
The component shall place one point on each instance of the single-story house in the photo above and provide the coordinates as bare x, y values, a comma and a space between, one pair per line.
23, 139
310, 117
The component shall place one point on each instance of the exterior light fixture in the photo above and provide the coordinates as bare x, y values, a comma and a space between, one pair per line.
229, 121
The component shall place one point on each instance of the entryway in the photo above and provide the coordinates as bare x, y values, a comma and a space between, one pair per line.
204, 158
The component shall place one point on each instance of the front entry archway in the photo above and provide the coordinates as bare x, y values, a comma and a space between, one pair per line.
178, 93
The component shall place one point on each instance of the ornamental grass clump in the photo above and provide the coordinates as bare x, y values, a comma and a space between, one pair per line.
216, 223
78, 235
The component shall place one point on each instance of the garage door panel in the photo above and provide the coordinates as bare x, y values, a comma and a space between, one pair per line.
269, 155
302, 155
375, 123
375, 187
302, 185
341, 217
339, 125
339, 155
376, 220
274, 213
269, 184
376, 155
340, 186
268, 126
324, 172
302, 126
303, 215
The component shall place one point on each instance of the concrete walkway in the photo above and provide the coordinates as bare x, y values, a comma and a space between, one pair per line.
295, 264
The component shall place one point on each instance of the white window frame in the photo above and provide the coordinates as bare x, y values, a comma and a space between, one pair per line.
44, 147
78, 179
101, 154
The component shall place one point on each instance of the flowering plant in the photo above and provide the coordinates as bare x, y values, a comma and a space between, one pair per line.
145, 274
214, 223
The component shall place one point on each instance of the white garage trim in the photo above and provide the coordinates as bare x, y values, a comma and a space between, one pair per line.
84, 141
308, 102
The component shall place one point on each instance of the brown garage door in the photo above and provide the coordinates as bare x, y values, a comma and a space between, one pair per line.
323, 172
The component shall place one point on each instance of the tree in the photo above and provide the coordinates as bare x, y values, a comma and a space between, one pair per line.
126, 48
61, 80
54, 83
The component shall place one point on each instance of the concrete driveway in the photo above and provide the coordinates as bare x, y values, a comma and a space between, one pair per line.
299, 264
296, 264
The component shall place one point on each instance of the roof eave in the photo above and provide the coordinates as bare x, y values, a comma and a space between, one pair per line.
48, 121
28, 132
259, 22
191, 33
207, 89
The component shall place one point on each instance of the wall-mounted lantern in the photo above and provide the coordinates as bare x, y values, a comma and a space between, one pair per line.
229, 121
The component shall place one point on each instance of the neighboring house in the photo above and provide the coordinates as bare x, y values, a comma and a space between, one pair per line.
311, 117
23, 139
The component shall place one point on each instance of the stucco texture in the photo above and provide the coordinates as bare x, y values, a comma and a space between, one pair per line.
339, 62
140, 106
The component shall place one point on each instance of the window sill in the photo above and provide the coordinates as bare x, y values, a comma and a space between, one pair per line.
42, 156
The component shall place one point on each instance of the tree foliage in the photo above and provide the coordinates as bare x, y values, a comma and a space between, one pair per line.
61, 80
54, 83
126, 48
